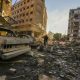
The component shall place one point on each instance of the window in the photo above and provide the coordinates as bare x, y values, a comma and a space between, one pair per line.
76, 23
17, 16
20, 15
22, 21
21, 4
26, 20
75, 35
17, 11
13, 13
31, 12
24, 2
27, 14
20, 9
23, 14
14, 17
12, 8
18, 5
23, 8
19, 21
32, 5
76, 16
15, 7
28, 0
75, 26
28, 7
30, 19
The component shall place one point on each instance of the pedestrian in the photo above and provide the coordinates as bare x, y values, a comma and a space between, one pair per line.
45, 40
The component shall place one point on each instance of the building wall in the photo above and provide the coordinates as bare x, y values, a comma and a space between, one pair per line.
30, 16
0, 7
5, 11
6, 8
74, 24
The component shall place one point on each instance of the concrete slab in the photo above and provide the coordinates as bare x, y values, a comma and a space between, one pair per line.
3, 77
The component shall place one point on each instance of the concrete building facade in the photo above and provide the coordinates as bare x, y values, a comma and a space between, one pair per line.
74, 25
5, 12
31, 17
5, 7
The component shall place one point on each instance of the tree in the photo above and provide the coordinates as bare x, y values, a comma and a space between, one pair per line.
57, 36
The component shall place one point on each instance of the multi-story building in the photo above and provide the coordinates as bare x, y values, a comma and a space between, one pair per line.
74, 25
31, 16
5, 7
5, 11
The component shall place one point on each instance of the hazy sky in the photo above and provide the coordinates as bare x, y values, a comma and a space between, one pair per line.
58, 11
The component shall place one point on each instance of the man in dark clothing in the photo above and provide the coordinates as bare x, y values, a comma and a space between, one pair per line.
45, 40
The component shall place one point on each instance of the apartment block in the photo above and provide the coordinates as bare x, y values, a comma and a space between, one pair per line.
5, 7
74, 25
31, 17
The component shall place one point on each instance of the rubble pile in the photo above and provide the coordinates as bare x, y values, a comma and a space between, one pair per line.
24, 69
64, 63
55, 62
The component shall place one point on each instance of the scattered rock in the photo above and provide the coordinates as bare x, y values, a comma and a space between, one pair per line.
45, 77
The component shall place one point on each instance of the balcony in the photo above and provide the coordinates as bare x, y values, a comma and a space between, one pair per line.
75, 27
76, 23
76, 19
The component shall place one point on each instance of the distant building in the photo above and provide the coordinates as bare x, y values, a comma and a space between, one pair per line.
31, 16
74, 25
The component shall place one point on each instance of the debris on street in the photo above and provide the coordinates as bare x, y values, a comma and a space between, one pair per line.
54, 63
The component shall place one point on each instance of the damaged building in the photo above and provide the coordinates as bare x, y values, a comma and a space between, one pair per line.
74, 25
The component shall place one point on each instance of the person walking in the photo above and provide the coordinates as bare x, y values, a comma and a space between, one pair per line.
45, 40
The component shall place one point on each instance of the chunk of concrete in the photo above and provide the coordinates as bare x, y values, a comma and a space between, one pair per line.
45, 77
12, 71
40, 61
3, 77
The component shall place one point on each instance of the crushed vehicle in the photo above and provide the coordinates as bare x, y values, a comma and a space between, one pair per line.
12, 45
